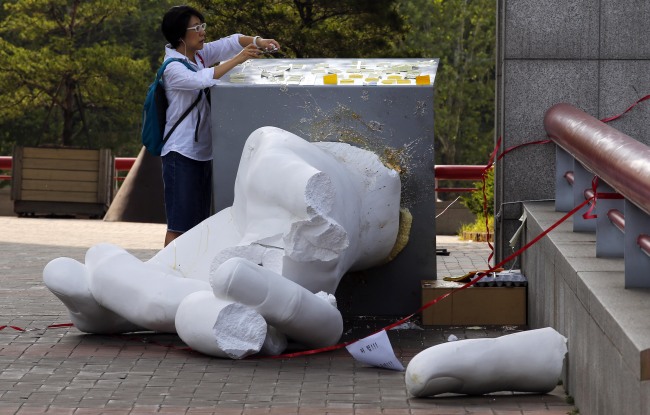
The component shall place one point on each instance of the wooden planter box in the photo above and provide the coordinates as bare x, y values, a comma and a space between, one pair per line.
62, 181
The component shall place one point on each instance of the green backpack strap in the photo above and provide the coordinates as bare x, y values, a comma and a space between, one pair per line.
191, 107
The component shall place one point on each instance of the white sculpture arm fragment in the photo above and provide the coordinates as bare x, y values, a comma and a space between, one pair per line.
528, 361
292, 309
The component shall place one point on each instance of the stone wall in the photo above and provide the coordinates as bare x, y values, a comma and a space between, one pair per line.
589, 53
607, 370
592, 54
453, 218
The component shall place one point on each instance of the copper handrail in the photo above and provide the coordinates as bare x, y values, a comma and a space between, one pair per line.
621, 161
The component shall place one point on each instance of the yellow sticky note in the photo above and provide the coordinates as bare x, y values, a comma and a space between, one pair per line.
346, 81
394, 76
355, 75
404, 81
422, 80
388, 81
330, 79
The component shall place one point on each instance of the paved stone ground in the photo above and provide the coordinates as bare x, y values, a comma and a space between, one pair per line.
63, 371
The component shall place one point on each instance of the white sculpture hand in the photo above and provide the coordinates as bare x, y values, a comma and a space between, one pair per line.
303, 215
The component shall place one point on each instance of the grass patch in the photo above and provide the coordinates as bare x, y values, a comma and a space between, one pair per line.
478, 226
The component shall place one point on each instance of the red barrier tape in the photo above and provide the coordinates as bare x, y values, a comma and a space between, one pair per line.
615, 117
435, 300
12, 327
491, 161
401, 321
51, 326
509, 149
596, 196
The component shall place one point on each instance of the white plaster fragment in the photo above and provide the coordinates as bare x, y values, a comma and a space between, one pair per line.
528, 361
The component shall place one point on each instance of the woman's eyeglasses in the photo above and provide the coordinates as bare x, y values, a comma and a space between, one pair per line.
198, 27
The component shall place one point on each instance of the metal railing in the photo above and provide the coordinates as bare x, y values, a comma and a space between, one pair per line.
5, 165
447, 172
442, 172
123, 164
587, 149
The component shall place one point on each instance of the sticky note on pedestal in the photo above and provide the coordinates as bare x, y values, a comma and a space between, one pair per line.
330, 79
422, 80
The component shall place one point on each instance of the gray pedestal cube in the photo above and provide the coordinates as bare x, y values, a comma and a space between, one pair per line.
375, 104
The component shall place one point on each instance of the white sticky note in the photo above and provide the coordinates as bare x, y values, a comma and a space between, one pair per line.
375, 350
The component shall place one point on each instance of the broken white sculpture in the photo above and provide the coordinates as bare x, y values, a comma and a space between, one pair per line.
528, 361
267, 267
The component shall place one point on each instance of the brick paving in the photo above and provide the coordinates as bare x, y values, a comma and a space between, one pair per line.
63, 371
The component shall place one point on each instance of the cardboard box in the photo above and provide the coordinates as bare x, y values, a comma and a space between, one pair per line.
473, 306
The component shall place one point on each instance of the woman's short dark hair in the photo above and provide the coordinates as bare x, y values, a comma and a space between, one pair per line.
175, 22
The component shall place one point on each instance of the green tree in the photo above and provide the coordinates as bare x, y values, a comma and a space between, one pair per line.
462, 33
66, 77
311, 28
76, 72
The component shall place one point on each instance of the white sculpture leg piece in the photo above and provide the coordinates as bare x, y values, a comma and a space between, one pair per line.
295, 311
529, 361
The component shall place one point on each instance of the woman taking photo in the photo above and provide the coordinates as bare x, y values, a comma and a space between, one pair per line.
187, 154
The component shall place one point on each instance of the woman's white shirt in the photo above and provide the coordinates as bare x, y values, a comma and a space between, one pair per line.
182, 86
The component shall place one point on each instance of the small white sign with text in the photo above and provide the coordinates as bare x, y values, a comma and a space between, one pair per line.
375, 350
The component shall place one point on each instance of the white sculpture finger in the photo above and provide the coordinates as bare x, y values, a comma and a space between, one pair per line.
141, 294
219, 327
529, 361
68, 280
295, 311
